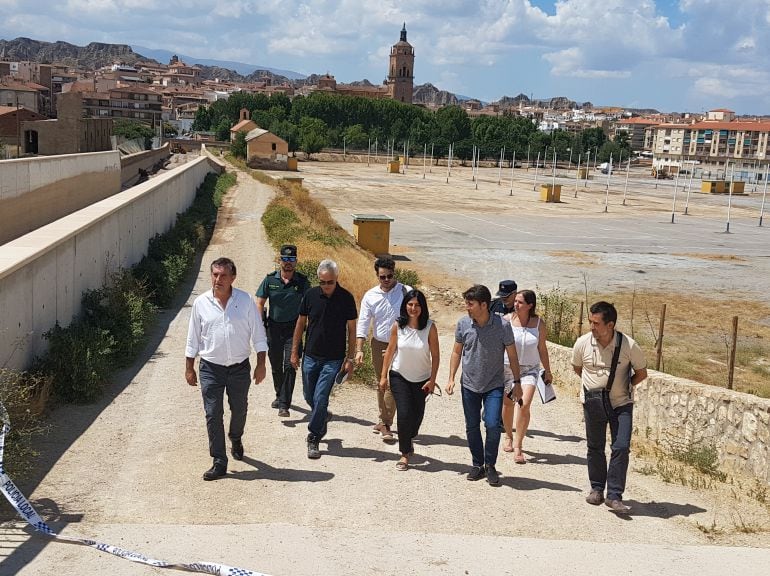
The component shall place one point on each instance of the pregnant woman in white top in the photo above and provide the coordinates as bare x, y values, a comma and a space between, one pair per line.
530, 334
413, 350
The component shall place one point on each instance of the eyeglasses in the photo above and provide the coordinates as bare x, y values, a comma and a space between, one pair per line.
327, 282
386, 277
288, 258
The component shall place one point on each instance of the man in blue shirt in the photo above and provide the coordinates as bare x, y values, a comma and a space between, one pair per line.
481, 339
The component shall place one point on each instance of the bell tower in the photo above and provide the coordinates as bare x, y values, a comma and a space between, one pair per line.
401, 72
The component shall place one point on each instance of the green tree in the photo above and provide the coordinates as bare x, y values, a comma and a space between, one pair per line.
222, 129
238, 146
202, 122
169, 130
131, 129
356, 137
288, 131
312, 135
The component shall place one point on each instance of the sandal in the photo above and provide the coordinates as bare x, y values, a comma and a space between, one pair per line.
387, 435
402, 465
520, 458
508, 444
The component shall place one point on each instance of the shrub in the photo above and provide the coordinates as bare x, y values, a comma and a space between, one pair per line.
78, 360
407, 276
559, 313
281, 224
123, 308
310, 269
24, 395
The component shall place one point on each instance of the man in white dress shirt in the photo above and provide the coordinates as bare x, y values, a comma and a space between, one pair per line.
380, 307
224, 326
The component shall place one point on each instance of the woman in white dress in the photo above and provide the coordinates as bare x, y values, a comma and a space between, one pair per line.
413, 351
530, 334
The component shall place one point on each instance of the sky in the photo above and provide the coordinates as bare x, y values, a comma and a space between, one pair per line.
671, 55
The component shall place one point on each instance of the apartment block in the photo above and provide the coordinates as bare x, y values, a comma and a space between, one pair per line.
713, 143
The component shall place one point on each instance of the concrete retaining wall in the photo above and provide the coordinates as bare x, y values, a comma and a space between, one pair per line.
43, 274
36, 191
133, 165
679, 412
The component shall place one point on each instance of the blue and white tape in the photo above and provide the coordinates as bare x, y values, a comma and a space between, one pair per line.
26, 511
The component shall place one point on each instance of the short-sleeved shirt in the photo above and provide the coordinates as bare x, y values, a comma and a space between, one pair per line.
327, 322
283, 299
596, 362
482, 355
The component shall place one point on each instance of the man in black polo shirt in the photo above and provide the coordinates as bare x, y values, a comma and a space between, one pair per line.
329, 313
283, 291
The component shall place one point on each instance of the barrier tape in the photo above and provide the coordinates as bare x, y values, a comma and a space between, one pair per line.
26, 511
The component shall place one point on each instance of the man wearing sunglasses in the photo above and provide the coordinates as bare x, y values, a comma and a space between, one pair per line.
380, 307
328, 311
282, 290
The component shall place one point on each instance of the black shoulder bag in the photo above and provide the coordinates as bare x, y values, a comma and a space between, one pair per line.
615, 358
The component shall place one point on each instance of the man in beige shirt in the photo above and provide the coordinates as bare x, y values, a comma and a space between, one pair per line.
607, 401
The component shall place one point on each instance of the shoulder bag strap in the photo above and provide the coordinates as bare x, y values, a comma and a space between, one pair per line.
615, 358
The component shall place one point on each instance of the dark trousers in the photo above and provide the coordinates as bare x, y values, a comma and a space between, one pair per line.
599, 413
279, 337
215, 380
483, 452
410, 409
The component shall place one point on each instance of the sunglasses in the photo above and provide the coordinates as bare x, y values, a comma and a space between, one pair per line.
436, 392
386, 277
288, 258
327, 282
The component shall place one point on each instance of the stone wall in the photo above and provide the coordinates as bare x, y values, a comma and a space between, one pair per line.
674, 411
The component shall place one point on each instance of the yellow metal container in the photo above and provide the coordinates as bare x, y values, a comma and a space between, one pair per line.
582, 173
372, 232
550, 193
715, 186
739, 187
292, 164
394, 167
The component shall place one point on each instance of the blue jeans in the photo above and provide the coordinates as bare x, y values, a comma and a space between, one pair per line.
317, 381
598, 413
215, 380
481, 452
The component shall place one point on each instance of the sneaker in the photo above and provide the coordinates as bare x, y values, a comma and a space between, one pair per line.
617, 506
313, 452
595, 498
237, 449
275, 403
476, 473
215, 472
283, 412
493, 478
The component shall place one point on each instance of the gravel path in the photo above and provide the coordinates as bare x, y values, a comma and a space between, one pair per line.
128, 472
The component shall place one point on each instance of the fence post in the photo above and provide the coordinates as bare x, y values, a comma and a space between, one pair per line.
733, 345
660, 338
580, 320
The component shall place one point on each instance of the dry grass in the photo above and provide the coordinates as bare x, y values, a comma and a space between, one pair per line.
715, 257
697, 336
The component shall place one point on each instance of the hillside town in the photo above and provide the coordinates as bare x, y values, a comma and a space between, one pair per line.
49, 108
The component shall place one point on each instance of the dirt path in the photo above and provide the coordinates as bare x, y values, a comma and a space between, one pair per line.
133, 478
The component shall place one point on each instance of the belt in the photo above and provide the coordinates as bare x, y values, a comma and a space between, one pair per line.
236, 365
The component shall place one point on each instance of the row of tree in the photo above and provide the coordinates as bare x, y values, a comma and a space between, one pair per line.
311, 123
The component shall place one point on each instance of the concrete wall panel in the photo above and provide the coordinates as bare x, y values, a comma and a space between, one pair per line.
36, 191
43, 274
